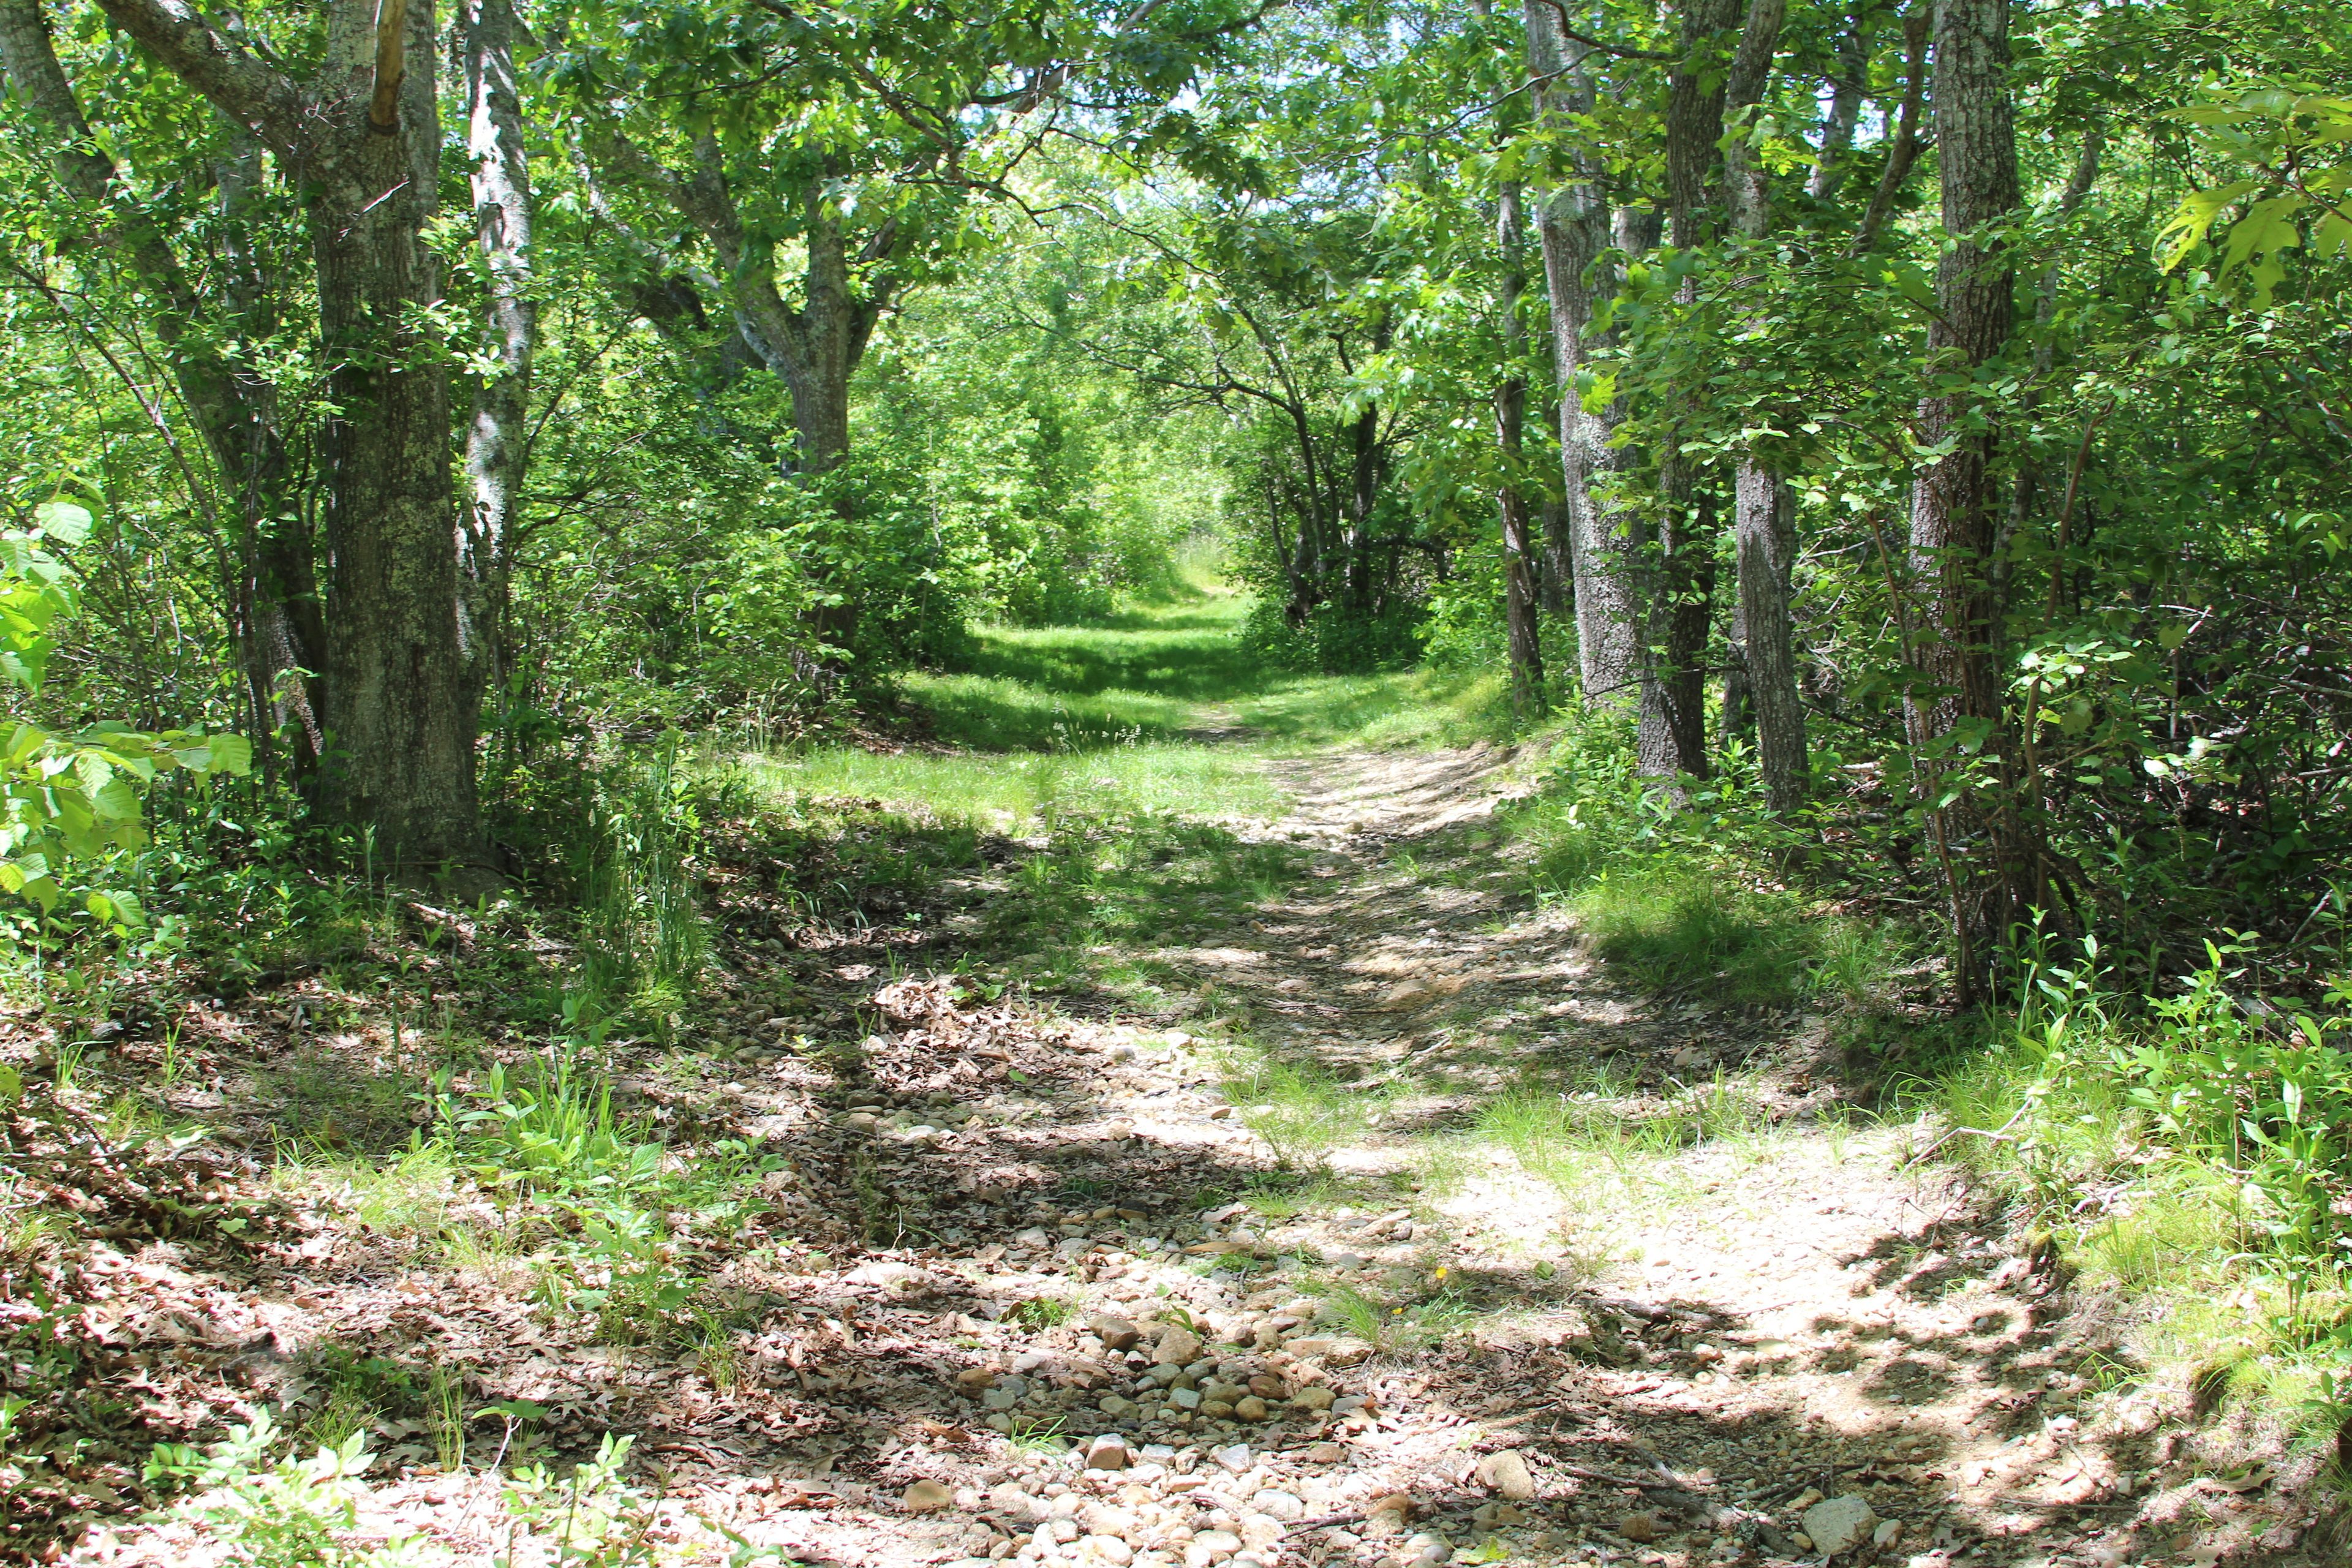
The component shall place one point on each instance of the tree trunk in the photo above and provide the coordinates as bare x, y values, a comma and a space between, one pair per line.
1764, 539
1556, 582
400, 711
1953, 503
1519, 571
1572, 226
1673, 733
1845, 111
1763, 525
1903, 151
498, 452
1363, 493
362, 140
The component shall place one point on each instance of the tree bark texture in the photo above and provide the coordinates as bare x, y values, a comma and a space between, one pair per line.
1763, 525
361, 139
1572, 226
1523, 635
1953, 502
497, 451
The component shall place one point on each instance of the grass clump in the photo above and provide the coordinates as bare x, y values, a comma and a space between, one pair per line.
2188, 1153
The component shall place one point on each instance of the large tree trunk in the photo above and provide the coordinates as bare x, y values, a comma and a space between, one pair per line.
1572, 226
497, 451
1953, 502
400, 709
1519, 568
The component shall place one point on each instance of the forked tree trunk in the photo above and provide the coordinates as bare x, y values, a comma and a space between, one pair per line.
361, 138
1954, 502
1572, 226
400, 709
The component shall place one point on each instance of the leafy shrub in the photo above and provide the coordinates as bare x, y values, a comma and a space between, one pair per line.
285, 1512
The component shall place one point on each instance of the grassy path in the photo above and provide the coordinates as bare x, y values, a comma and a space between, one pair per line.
1155, 1124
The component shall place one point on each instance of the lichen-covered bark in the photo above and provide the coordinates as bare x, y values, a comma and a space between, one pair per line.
1572, 226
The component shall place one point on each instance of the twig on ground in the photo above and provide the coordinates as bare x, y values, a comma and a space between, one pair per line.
1999, 1136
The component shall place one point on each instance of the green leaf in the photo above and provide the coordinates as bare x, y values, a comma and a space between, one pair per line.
63, 521
2193, 217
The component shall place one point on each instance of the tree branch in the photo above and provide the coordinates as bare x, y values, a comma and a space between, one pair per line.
241, 87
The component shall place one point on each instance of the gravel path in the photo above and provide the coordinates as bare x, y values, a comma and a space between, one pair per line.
1034, 1289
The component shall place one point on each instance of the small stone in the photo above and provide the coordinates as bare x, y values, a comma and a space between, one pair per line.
1506, 1474
1235, 1459
1388, 1514
1250, 1407
972, 1379
1638, 1527
1215, 1409
1277, 1504
1107, 1452
1312, 1399
1219, 1543
1116, 1333
1325, 1454
897, 1278
1840, 1524
1888, 1532
927, 1497
1015, 1503
1115, 1405
1497, 1515
1107, 1548
1177, 1347
1185, 1398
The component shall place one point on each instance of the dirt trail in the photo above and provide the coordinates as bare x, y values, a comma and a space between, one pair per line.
1053, 1298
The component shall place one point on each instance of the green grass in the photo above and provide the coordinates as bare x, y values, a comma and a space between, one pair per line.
1018, 794
1680, 930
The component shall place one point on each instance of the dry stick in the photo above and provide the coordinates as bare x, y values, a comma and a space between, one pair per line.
2001, 1136
391, 44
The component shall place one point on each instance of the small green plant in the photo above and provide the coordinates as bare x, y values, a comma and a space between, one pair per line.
593, 1517
445, 1418
1038, 1434
286, 1512
1039, 1313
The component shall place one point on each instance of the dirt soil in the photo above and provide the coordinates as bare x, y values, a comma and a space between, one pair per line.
1018, 1294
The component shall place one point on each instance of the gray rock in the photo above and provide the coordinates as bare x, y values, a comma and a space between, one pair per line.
1840, 1524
